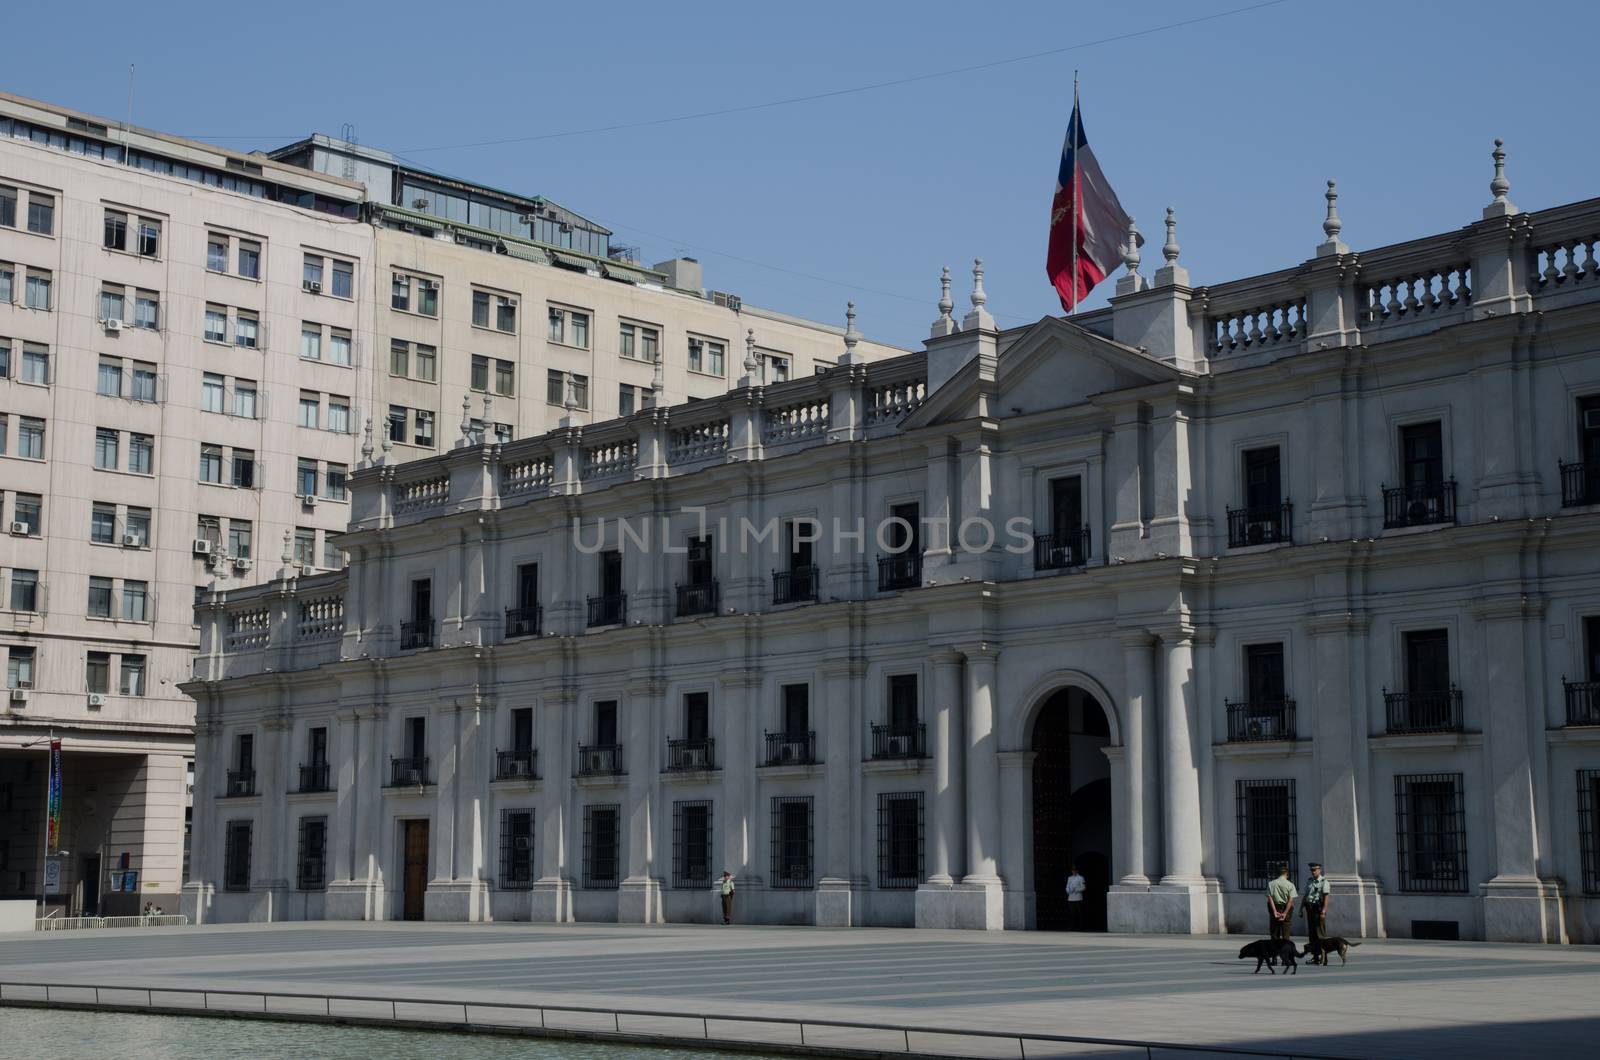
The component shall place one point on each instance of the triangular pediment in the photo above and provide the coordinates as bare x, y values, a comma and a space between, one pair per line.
1054, 364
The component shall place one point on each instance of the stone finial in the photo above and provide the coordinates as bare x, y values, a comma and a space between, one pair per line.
1170, 248
1499, 186
1130, 249
752, 364
658, 376
1171, 274
946, 324
466, 421
488, 417
851, 335
288, 548
388, 446
570, 401
1331, 225
366, 444
980, 316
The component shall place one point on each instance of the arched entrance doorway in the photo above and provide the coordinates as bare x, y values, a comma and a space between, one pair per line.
1071, 808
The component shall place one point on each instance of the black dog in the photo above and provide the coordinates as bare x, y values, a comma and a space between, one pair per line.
1318, 949
1268, 951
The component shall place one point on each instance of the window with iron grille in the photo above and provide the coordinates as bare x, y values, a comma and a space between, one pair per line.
236, 857
1589, 828
1266, 830
691, 844
516, 850
311, 862
900, 840
602, 841
1431, 832
792, 841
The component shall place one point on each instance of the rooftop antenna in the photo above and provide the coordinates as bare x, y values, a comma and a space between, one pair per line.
347, 133
127, 161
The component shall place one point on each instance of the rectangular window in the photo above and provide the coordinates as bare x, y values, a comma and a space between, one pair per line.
580, 391
208, 528
217, 253
236, 857
399, 358
578, 324
24, 591
210, 463
244, 398
902, 703
1262, 480
244, 468
332, 554
697, 355
103, 524
339, 347
1427, 660
516, 850
213, 387
135, 601
8, 206
106, 444
97, 672
796, 711
528, 585
143, 380
306, 478
19, 666
625, 400
311, 858
305, 547
522, 730
41, 214
141, 453
480, 372
241, 535
1589, 828
311, 342
27, 509
338, 414
426, 360
149, 237
697, 716
775, 368
1422, 451
400, 292
35, 365
344, 279
649, 344
147, 310
505, 378
249, 260
38, 290
1266, 826
626, 347
605, 723
310, 410
428, 297
30, 438
558, 326
8, 284
691, 844
424, 431
555, 387
132, 676
601, 847
397, 423
792, 842
136, 527
99, 604
900, 840
246, 327
1264, 683
480, 309
113, 304
1430, 833
311, 273
505, 314
1066, 506
216, 323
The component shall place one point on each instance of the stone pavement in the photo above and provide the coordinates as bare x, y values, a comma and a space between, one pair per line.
1395, 999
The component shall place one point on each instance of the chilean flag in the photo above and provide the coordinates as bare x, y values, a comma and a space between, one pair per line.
1085, 213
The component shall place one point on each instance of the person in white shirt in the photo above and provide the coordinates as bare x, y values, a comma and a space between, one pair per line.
1075, 886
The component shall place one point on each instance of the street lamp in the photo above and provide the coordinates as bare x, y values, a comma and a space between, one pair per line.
44, 836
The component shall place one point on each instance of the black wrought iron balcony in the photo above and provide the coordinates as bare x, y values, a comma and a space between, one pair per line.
795, 585
524, 621
1253, 720
408, 772
1260, 526
516, 765
608, 610
1436, 710
1580, 484
899, 741
241, 782
699, 598
791, 748
600, 760
314, 777
903, 570
1421, 505
1583, 702
1060, 550
691, 754
416, 635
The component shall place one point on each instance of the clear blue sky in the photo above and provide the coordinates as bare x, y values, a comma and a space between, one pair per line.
1236, 122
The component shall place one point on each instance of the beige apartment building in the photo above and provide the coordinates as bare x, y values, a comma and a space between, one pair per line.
192, 341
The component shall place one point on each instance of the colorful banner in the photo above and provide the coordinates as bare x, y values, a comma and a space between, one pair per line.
53, 804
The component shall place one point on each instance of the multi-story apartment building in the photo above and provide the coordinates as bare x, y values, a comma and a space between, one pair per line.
192, 341
1300, 566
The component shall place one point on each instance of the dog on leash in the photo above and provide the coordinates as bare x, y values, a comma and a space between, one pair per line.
1319, 949
1269, 952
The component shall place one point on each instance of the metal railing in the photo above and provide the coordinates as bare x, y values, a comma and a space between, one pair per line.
1261, 720
795, 585
600, 760
699, 598
314, 777
1421, 505
387, 1010
408, 772
1583, 701
903, 570
1436, 710
899, 741
241, 782
608, 610
1271, 525
86, 923
524, 621
1580, 484
1060, 550
516, 765
691, 754
791, 748
416, 635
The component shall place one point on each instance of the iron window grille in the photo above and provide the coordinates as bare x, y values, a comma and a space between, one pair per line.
1267, 830
699, 598
793, 842
1268, 720
600, 760
416, 635
901, 840
241, 782
795, 585
1430, 833
899, 741
1062, 549
609, 610
1419, 505
1435, 710
310, 872
236, 857
791, 748
1260, 526
691, 754
516, 765
903, 570
1580, 484
601, 843
516, 850
314, 777
1589, 827
408, 772
524, 621
1583, 701
691, 845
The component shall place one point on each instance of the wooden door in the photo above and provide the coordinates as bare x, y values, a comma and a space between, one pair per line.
415, 873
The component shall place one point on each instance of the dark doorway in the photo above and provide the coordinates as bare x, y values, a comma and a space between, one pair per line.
1071, 809
414, 875
91, 886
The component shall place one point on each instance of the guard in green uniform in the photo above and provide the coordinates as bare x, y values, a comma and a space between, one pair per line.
1318, 894
1281, 896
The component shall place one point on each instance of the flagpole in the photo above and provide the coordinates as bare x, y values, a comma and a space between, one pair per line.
1076, 204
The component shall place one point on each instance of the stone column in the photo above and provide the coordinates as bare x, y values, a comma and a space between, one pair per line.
733, 713
551, 900
198, 889
1016, 866
271, 882
458, 890
838, 719
639, 894
1180, 779
341, 831
981, 905
1138, 839
947, 846
371, 774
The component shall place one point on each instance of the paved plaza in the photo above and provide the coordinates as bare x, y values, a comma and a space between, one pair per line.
1395, 998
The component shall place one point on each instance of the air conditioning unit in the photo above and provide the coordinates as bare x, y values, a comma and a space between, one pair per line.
1417, 512
526, 218
241, 563
20, 529
309, 500
512, 302
314, 286
113, 324
19, 695
899, 747
96, 699
202, 547
132, 541
432, 285
419, 204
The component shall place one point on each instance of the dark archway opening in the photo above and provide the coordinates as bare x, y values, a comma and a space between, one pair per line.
1071, 809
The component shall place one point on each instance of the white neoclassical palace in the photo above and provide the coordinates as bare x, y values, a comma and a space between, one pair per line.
1304, 566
